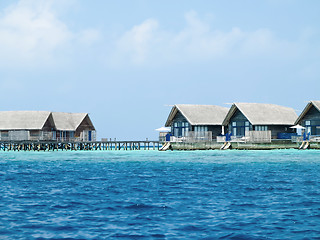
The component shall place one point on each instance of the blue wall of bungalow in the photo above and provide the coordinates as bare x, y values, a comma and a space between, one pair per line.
239, 125
180, 127
311, 121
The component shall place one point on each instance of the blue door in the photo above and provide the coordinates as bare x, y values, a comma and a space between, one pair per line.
168, 137
89, 136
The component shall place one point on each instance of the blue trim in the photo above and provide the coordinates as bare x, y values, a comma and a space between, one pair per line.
314, 126
240, 127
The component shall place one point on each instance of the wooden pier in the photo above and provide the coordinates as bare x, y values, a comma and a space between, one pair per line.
78, 146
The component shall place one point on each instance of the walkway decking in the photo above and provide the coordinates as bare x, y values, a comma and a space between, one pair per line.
275, 144
78, 146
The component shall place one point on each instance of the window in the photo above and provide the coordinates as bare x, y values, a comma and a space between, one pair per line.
313, 127
201, 128
71, 135
180, 129
239, 128
261, 128
176, 132
247, 126
4, 134
34, 133
234, 133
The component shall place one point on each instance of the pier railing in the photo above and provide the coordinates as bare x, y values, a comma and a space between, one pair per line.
76, 146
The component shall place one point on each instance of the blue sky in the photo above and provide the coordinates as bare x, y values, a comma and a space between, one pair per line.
126, 62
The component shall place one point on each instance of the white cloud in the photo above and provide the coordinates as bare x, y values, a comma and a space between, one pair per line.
30, 31
31, 34
89, 36
137, 42
197, 41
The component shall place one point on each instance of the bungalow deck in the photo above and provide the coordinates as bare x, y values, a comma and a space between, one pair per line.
78, 146
273, 145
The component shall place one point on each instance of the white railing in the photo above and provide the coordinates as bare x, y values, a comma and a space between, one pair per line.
194, 136
251, 137
239, 139
24, 135
296, 138
46, 136
162, 136
176, 139
315, 139
259, 136
18, 135
69, 139
300, 139
221, 139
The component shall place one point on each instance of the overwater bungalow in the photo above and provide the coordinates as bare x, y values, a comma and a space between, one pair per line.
310, 118
245, 118
26, 125
45, 125
196, 122
73, 127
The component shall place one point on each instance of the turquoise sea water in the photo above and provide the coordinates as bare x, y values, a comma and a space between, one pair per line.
160, 195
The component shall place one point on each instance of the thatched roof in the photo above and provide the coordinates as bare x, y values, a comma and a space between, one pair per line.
69, 121
23, 120
35, 120
263, 114
199, 114
316, 104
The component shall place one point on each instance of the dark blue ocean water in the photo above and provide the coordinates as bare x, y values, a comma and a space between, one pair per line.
160, 195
